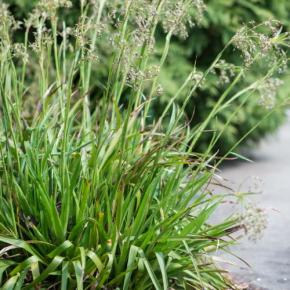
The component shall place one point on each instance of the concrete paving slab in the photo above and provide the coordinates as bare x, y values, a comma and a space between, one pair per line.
269, 257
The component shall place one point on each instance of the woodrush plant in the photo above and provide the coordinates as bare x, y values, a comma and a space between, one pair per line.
96, 193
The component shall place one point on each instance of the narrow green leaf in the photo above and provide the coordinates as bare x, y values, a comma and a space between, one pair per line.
160, 259
96, 260
131, 263
60, 249
48, 271
26, 264
10, 284
64, 276
79, 272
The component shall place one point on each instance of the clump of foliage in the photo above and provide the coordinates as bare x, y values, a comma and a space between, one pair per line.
96, 193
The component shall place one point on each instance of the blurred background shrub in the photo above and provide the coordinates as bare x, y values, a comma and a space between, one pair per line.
222, 19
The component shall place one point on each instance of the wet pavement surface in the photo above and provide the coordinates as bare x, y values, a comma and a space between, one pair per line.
269, 258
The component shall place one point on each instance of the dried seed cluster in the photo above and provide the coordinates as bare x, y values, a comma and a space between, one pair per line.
254, 44
180, 14
255, 221
19, 51
7, 22
225, 71
268, 92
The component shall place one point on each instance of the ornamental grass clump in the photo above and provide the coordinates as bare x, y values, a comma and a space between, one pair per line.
96, 193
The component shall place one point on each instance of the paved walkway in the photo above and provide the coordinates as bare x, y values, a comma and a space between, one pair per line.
269, 257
